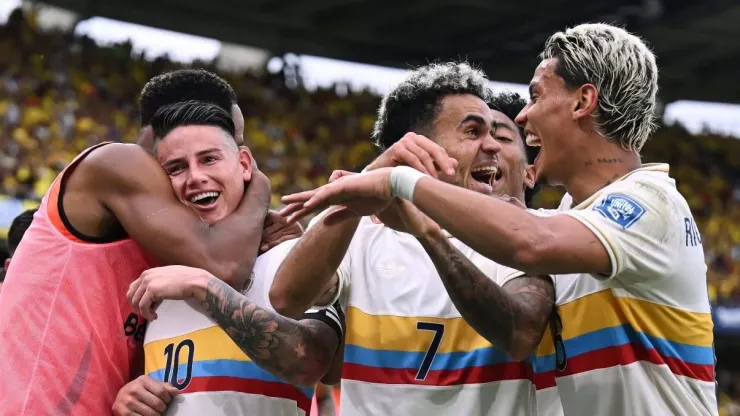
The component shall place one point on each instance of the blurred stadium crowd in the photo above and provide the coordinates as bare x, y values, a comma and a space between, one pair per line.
60, 94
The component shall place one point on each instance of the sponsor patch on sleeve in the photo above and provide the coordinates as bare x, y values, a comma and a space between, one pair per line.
621, 209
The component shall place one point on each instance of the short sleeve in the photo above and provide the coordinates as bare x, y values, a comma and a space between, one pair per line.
505, 274
637, 224
496, 272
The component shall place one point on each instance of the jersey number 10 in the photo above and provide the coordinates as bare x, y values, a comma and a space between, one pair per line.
172, 355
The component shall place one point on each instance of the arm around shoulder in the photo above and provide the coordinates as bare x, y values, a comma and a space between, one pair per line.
131, 184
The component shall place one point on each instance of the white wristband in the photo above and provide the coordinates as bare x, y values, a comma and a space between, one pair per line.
403, 182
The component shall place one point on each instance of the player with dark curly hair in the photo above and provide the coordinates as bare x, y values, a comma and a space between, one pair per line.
419, 341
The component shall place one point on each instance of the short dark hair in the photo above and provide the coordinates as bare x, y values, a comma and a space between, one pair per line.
511, 104
18, 228
184, 85
190, 113
414, 103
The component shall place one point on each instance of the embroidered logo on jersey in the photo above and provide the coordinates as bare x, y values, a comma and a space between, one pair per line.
621, 209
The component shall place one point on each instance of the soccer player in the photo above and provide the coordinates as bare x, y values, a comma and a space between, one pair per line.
631, 278
245, 358
68, 336
409, 349
17, 229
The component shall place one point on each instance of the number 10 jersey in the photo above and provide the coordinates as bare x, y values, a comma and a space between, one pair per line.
408, 350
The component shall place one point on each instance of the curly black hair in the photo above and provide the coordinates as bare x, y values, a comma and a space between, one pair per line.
184, 85
414, 103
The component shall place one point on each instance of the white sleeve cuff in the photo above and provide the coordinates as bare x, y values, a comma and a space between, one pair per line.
341, 283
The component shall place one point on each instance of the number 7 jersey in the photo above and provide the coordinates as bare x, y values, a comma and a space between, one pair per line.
408, 350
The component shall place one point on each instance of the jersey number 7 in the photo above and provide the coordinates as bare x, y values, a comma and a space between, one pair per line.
426, 364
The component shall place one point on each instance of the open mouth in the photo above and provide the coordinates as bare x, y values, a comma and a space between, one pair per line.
204, 199
486, 174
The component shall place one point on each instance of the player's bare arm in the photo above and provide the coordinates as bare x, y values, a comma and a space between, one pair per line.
305, 278
512, 317
299, 352
494, 228
131, 185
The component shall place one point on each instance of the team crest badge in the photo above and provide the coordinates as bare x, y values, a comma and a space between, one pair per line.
621, 209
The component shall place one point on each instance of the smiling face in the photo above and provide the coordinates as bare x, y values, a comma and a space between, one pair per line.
206, 169
463, 129
514, 172
548, 122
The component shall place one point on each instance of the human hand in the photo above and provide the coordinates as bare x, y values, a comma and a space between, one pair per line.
361, 194
277, 230
144, 396
418, 152
168, 282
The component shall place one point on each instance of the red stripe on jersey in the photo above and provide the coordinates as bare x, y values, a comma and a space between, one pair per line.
470, 375
249, 386
624, 355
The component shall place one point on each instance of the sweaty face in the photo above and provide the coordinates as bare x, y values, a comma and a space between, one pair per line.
463, 129
206, 169
548, 121
514, 173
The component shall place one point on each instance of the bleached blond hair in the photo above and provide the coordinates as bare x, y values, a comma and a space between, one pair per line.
623, 70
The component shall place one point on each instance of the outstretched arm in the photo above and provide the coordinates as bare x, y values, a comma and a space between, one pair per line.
310, 269
494, 228
512, 317
299, 352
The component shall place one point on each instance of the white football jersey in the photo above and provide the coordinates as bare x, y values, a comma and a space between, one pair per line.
186, 347
640, 340
408, 351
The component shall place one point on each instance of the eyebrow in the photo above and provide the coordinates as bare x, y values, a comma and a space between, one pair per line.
201, 153
498, 125
532, 86
473, 117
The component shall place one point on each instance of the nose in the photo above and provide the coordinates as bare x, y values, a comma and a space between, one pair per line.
196, 176
521, 118
491, 145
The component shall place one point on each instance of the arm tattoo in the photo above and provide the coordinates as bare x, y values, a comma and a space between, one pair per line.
299, 352
512, 317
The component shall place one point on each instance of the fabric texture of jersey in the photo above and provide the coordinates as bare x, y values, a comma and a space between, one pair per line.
639, 341
408, 351
68, 336
186, 347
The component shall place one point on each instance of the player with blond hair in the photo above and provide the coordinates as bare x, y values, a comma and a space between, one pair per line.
629, 264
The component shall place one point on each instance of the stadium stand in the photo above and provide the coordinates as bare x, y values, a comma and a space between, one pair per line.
60, 94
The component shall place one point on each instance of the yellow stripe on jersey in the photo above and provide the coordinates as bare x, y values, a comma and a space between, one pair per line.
604, 310
398, 333
211, 344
